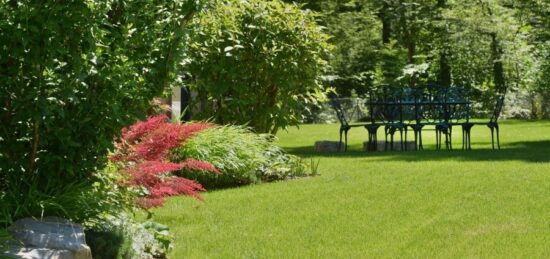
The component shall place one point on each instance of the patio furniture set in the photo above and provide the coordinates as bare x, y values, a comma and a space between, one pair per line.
397, 110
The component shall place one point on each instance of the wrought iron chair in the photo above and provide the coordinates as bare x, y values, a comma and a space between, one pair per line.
345, 125
492, 124
413, 113
392, 115
456, 111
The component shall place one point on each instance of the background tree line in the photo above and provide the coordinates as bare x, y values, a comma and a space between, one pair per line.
483, 45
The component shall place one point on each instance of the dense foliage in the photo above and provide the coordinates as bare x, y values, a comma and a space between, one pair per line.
73, 74
482, 45
255, 62
242, 156
120, 237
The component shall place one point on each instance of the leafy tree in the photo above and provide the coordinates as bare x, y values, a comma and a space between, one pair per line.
481, 44
255, 62
73, 74
535, 14
354, 30
489, 48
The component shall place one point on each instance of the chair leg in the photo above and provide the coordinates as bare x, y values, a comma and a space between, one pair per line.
463, 138
447, 140
466, 138
386, 138
492, 137
340, 143
370, 142
406, 137
420, 146
346, 136
391, 140
450, 131
415, 139
373, 139
437, 139
498, 137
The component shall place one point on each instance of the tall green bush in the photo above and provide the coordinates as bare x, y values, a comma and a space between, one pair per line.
255, 62
73, 74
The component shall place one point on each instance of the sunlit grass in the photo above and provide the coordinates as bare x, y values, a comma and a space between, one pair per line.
479, 203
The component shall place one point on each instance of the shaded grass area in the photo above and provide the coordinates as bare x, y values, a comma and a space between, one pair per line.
479, 203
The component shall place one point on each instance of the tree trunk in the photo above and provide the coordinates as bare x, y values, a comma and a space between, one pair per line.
444, 76
498, 68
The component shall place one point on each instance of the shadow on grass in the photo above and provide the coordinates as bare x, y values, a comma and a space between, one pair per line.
535, 151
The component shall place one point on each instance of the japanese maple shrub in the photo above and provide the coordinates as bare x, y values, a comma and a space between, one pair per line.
142, 154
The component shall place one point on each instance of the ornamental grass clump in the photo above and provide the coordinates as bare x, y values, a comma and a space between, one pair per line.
142, 155
242, 156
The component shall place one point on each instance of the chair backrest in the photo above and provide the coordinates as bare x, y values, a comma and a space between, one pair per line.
501, 95
335, 103
389, 101
434, 108
457, 106
412, 103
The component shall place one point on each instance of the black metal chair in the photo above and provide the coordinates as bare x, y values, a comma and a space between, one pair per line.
413, 113
433, 112
492, 124
456, 113
375, 117
443, 127
392, 115
345, 125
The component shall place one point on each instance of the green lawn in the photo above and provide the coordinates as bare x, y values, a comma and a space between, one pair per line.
479, 203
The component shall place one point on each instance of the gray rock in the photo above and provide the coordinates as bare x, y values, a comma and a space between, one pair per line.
37, 253
51, 237
327, 146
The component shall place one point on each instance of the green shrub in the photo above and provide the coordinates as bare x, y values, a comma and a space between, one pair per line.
4, 237
121, 237
73, 74
257, 61
279, 165
78, 202
242, 156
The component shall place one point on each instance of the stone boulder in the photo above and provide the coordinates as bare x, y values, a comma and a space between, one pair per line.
51, 237
327, 146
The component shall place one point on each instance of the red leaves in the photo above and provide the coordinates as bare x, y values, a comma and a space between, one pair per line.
143, 152
141, 128
156, 144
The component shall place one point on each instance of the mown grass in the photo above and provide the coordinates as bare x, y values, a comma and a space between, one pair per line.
479, 203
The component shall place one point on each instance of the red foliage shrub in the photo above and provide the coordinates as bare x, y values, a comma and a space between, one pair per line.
143, 152
141, 128
160, 140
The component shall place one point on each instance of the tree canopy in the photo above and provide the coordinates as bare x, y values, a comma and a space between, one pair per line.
482, 45
256, 62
